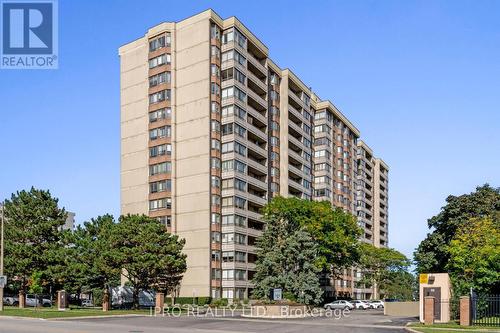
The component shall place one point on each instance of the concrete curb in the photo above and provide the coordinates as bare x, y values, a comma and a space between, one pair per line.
97, 317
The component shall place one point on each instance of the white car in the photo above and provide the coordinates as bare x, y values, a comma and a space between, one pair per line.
376, 304
87, 303
344, 305
32, 300
361, 305
11, 300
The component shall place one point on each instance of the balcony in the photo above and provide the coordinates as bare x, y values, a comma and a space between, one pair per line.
256, 63
256, 114
257, 166
257, 81
259, 100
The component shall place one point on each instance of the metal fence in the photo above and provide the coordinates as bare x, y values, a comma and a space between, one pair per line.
485, 310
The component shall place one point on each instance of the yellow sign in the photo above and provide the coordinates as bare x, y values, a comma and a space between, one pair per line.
424, 278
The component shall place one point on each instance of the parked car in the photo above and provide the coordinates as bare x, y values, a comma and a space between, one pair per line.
376, 304
37, 300
339, 305
358, 304
86, 303
11, 300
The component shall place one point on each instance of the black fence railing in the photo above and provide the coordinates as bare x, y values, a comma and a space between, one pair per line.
485, 310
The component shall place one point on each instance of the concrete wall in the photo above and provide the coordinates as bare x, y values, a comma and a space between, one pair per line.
134, 127
191, 150
402, 309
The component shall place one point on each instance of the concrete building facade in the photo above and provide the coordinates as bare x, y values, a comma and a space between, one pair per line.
211, 130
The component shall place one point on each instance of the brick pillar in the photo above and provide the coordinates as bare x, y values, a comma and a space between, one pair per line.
62, 300
465, 311
160, 303
22, 300
105, 301
429, 310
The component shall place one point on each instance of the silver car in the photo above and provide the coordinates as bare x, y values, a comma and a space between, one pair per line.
339, 305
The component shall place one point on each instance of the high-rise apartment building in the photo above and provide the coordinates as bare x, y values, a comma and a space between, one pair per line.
211, 130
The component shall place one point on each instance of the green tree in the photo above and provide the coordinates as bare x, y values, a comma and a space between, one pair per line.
90, 262
475, 256
335, 232
432, 254
33, 240
386, 268
147, 253
287, 257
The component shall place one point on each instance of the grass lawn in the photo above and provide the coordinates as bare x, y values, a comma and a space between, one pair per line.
451, 328
74, 312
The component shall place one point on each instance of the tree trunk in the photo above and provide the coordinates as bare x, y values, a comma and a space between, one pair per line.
136, 298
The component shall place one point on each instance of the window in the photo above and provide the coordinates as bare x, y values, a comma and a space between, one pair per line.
215, 237
275, 126
165, 220
275, 172
215, 200
215, 51
214, 89
215, 255
274, 156
321, 167
214, 70
214, 31
160, 42
275, 141
234, 146
159, 96
234, 201
165, 149
323, 128
164, 77
306, 128
234, 165
215, 218
215, 163
322, 153
234, 183
322, 180
275, 111
160, 114
215, 181
160, 60
234, 92
274, 78
322, 141
234, 238
234, 256
323, 192
235, 110
160, 186
234, 55
165, 203
306, 142
233, 128
160, 132
215, 144
215, 126
234, 220
165, 167
214, 107
234, 35
157, 43
274, 95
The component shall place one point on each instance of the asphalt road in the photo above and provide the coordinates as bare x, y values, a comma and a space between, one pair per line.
357, 322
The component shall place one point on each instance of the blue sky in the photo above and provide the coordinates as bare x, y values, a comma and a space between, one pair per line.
420, 79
